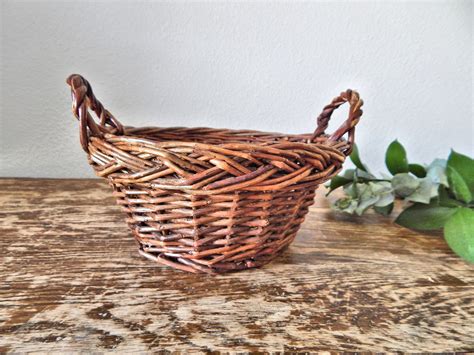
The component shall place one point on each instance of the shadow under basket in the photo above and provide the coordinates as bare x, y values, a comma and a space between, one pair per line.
209, 200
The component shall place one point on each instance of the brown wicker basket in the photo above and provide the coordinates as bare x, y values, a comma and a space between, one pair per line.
212, 200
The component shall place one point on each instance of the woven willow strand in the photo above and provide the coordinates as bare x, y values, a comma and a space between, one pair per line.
211, 200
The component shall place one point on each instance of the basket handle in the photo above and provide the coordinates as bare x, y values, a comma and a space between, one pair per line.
83, 99
348, 126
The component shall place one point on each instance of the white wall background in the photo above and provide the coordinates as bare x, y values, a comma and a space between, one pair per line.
266, 65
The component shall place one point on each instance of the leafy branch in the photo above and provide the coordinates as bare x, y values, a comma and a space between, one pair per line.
437, 196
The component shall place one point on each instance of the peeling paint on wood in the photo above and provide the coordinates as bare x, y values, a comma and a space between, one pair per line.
72, 280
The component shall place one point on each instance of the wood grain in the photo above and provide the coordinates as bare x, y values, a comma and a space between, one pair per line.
71, 280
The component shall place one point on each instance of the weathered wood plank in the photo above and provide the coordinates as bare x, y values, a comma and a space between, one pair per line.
71, 280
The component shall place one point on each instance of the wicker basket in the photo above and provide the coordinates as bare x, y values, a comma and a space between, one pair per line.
212, 200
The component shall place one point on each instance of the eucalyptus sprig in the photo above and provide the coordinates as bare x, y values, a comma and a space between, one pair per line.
437, 196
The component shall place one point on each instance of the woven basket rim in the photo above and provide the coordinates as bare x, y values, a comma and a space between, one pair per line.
271, 137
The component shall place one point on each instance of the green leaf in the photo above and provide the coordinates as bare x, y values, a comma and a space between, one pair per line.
384, 191
351, 190
425, 192
385, 210
363, 176
366, 199
459, 233
425, 217
348, 174
465, 168
445, 199
436, 171
417, 170
346, 204
404, 184
336, 182
396, 158
458, 186
367, 195
361, 196
356, 159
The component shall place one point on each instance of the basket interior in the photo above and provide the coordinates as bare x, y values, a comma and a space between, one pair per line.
216, 135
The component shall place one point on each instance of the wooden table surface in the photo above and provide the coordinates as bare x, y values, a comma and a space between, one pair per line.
71, 280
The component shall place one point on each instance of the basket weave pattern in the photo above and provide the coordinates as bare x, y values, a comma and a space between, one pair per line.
211, 200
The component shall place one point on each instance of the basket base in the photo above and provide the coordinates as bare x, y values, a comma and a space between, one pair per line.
215, 234
190, 265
